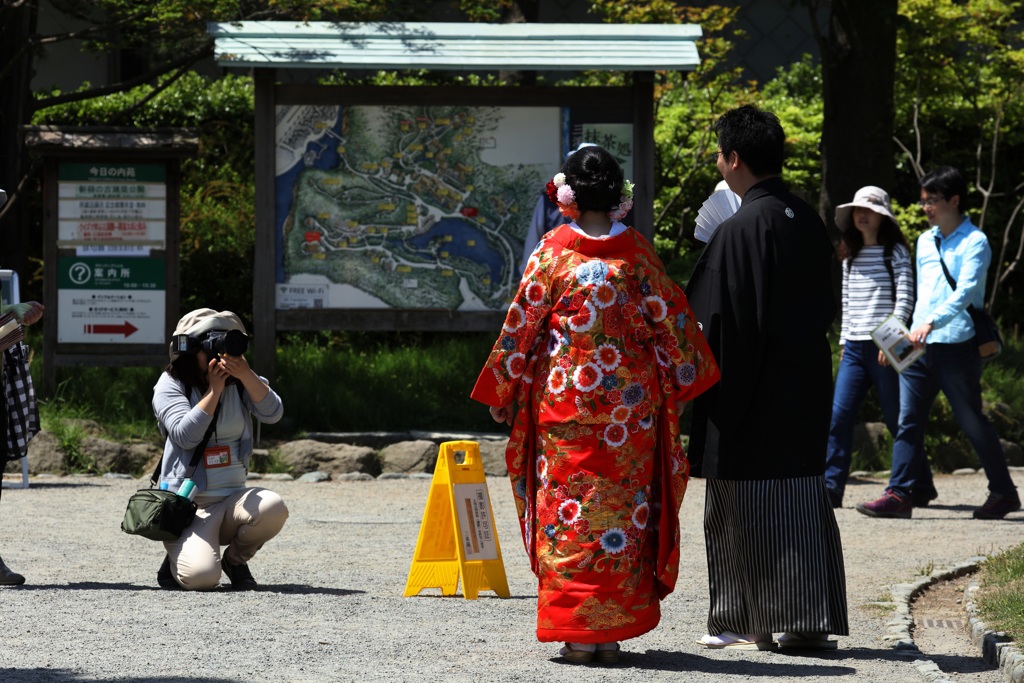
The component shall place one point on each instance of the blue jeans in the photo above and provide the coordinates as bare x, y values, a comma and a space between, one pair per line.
956, 370
858, 371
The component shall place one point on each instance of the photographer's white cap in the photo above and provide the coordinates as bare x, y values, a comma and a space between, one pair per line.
202, 320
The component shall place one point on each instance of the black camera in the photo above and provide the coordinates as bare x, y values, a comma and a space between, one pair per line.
231, 343
215, 343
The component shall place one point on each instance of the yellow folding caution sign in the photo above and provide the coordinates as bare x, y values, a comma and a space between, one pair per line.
457, 534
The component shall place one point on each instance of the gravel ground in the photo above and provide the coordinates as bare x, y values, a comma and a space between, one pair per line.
331, 605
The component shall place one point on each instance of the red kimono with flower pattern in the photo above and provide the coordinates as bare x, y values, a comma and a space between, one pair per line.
596, 350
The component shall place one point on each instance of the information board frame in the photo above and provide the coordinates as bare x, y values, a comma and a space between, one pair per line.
162, 149
631, 104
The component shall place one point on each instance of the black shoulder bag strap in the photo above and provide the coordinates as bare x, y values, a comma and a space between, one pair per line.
196, 454
938, 249
949, 278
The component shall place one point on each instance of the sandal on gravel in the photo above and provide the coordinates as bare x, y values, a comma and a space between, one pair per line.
575, 655
797, 640
727, 640
607, 653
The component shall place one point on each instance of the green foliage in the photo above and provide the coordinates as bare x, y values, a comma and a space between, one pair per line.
687, 109
959, 101
217, 192
69, 434
794, 95
1001, 600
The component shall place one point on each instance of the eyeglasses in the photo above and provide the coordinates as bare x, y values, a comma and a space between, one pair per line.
713, 156
931, 201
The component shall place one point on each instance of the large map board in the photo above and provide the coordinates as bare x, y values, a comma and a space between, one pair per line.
414, 206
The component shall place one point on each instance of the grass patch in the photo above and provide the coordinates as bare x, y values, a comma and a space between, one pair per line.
338, 382
1001, 600
361, 381
880, 607
392, 383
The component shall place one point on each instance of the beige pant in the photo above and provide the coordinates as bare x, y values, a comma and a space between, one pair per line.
243, 521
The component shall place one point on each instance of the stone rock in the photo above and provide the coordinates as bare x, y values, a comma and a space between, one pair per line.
354, 476
110, 456
441, 437
492, 453
45, 454
145, 456
260, 459
392, 475
409, 456
315, 477
1013, 452
869, 441
307, 455
965, 471
374, 440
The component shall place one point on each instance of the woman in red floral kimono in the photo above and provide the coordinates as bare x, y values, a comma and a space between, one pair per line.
597, 355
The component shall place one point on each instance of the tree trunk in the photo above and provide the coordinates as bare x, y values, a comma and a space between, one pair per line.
858, 76
17, 23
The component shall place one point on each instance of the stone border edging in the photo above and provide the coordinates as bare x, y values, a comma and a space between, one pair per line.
997, 648
899, 627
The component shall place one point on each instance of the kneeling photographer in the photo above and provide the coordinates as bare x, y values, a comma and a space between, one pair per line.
203, 402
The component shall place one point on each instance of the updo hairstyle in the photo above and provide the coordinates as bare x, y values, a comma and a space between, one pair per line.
595, 178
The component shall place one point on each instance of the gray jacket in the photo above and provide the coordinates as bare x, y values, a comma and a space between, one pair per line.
184, 425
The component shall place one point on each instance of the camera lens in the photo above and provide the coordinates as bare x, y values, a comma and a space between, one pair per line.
234, 343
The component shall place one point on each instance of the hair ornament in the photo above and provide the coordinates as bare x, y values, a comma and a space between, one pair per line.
562, 194
625, 202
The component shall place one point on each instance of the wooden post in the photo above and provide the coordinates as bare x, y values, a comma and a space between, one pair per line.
643, 152
264, 305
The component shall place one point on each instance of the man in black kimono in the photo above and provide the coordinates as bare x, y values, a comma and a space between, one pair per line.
763, 293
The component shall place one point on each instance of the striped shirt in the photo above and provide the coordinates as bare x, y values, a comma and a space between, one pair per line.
867, 291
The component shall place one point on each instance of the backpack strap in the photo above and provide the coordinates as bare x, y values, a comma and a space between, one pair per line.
887, 259
193, 463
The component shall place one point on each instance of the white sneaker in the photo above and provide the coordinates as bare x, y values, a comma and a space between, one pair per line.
736, 641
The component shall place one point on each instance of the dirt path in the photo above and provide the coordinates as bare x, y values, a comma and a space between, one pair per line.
941, 634
331, 607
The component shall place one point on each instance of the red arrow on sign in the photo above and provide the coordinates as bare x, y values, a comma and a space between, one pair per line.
127, 329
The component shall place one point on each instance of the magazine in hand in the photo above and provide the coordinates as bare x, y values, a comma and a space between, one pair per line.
720, 205
11, 331
893, 338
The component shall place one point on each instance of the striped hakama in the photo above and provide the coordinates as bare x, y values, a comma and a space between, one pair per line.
775, 560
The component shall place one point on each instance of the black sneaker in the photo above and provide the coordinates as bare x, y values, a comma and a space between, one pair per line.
921, 496
164, 577
998, 505
240, 576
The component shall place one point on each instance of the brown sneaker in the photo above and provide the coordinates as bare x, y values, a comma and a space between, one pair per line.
9, 577
998, 505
